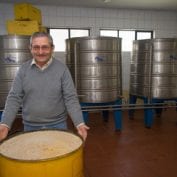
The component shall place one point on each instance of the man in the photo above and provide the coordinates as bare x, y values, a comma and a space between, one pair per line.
43, 87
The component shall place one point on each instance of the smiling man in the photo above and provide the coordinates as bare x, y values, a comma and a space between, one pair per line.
43, 87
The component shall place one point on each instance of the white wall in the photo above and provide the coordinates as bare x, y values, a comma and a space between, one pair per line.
163, 23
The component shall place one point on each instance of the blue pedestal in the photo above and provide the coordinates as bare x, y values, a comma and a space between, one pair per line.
0, 115
132, 100
148, 112
105, 113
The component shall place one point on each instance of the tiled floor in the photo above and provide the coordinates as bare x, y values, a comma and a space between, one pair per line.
135, 151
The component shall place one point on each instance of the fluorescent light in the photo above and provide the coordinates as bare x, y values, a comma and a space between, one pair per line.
106, 1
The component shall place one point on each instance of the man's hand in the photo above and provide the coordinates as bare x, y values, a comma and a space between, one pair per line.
3, 132
82, 131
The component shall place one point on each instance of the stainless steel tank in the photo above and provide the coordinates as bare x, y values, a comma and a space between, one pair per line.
154, 68
14, 50
95, 64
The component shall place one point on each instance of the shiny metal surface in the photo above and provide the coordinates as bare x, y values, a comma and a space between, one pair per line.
154, 68
98, 96
102, 84
98, 71
157, 68
161, 92
7, 72
12, 42
14, 57
14, 50
157, 81
97, 61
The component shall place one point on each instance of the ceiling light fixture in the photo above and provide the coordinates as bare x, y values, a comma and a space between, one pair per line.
106, 1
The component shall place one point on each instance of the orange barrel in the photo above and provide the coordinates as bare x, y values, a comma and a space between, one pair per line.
44, 153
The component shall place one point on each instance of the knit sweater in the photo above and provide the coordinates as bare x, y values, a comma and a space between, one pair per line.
46, 96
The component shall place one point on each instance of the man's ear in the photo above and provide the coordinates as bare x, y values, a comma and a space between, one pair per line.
53, 47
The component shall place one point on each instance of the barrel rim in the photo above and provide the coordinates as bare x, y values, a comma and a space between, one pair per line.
47, 159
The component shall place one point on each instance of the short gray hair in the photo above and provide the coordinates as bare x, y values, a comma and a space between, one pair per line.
41, 34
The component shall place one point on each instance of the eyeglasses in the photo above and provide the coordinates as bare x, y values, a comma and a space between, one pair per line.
43, 47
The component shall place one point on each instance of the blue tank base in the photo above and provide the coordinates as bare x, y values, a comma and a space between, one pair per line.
148, 117
105, 113
158, 112
118, 116
0, 115
149, 113
85, 115
132, 100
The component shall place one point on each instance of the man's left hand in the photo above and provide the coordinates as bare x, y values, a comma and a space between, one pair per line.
82, 131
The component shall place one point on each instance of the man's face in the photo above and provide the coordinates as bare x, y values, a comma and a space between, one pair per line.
41, 50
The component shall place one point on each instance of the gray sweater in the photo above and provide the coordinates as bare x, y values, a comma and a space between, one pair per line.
45, 96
